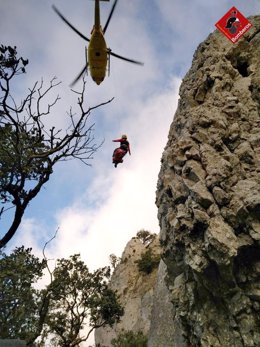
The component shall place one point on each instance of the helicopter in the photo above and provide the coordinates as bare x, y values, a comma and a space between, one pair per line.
97, 53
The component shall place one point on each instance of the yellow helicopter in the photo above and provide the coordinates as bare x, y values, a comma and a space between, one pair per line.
97, 54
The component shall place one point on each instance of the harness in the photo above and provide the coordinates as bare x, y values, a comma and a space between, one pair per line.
124, 145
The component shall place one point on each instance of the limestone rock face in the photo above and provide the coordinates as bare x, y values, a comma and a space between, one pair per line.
135, 290
163, 331
208, 198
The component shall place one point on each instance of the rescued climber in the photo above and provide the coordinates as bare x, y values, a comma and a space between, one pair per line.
121, 151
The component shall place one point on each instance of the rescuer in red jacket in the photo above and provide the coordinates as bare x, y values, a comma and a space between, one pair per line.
121, 151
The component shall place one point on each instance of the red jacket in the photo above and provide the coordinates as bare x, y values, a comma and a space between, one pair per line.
124, 144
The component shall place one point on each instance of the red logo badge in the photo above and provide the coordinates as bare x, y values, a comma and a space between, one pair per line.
233, 25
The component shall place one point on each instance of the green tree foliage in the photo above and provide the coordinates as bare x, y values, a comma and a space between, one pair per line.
148, 262
114, 260
78, 294
19, 300
130, 339
57, 313
29, 149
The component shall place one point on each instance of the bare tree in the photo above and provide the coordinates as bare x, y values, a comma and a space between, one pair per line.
28, 150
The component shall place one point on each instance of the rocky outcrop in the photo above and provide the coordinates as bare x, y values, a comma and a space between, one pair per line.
208, 198
135, 290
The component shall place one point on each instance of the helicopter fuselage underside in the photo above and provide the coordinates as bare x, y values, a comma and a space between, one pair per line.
97, 56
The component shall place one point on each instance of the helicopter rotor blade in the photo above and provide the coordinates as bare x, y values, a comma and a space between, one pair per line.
79, 76
110, 16
69, 24
126, 59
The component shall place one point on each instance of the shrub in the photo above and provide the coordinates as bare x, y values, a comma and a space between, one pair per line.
130, 339
114, 260
148, 262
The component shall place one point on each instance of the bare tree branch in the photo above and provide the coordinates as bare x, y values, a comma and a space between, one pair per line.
28, 149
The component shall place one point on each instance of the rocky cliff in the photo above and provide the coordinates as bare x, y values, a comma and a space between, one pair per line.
208, 198
206, 291
135, 290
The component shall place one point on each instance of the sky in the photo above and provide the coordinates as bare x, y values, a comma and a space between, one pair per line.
97, 209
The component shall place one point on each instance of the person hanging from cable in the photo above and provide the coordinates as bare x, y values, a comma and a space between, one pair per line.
121, 151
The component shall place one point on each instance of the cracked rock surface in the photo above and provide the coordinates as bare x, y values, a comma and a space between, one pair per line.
208, 198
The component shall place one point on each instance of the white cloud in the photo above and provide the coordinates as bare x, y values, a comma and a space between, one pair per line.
120, 201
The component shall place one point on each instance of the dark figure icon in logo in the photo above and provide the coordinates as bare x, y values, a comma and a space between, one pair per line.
232, 23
